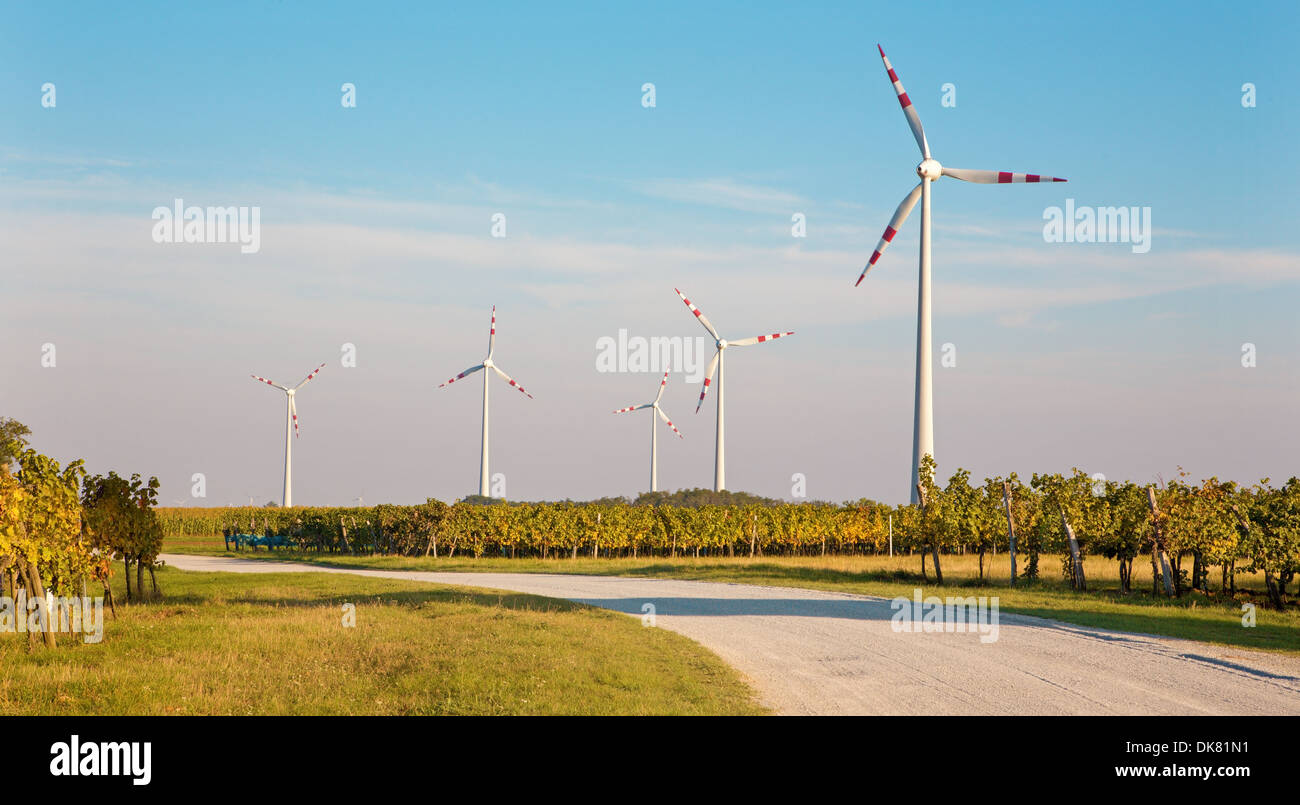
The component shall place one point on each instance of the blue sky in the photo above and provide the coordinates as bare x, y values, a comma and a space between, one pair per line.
375, 232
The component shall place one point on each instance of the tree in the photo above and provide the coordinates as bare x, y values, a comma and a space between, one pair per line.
1199, 522
930, 524
972, 515
41, 545
13, 440
1080, 513
1271, 542
1220, 540
123, 524
1126, 529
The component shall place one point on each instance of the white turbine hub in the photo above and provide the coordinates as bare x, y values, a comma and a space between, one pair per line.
487, 363
722, 343
290, 391
929, 169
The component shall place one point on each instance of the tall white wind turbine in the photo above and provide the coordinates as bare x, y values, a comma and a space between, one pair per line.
487, 364
929, 170
654, 430
290, 429
719, 456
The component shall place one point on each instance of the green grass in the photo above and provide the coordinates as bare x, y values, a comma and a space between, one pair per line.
1214, 618
230, 644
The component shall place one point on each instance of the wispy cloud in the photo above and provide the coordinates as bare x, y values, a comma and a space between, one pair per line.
15, 156
726, 193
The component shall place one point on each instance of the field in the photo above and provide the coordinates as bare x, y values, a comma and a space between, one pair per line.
274, 644
1213, 617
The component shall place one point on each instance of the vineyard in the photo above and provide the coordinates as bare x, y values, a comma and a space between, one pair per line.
1184, 530
60, 530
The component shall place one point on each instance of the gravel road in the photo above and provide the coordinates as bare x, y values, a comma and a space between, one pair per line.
809, 652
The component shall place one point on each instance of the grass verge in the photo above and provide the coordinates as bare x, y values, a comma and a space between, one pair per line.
275, 644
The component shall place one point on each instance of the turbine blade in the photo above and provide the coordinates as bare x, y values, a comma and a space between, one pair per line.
492, 334
315, 372
758, 339
509, 380
708, 378
895, 223
668, 421
699, 315
660, 395
997, 177
632, 408
293, 412
913, 119
471, 370
268, 382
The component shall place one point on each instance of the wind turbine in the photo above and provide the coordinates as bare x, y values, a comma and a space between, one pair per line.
719, 457
487, 364
654, 431
930, 171
290, 429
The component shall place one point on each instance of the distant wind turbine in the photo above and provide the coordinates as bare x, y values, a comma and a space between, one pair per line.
487, 364
719, 457
290, 429
929, 170
654, 430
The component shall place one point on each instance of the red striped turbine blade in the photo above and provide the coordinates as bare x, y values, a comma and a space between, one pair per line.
913, 119
267, 382
314, 372
708, 378
293, 411
625, 410
509, 380
997, 177
895, 223
492, 334
471, 370
699, 315
668, 422
758, 339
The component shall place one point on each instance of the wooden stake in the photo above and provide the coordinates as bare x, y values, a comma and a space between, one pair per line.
1159, 546
1011, 528
1076, 562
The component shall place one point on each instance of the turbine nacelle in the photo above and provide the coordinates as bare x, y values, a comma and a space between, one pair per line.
929, 169
487, 363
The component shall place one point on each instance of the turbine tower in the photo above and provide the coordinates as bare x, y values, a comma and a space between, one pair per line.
290, 429
719, 456
654, 431
930, 171
487, 364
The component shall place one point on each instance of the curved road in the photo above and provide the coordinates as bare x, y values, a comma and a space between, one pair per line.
810, 652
